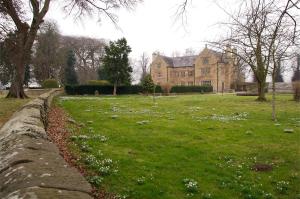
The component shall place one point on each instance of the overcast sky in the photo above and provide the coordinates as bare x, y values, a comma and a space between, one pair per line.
151, 26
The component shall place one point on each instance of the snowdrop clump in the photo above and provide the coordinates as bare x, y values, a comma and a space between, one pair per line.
282, 187
141, 180
100, 138
226, 118
95, 180
103, 166
206, 195
191, 185
143, 122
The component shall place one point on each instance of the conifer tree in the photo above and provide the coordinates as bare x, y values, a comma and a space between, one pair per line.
70, 73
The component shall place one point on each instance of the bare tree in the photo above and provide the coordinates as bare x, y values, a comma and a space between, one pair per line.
16, 16
143, 63
48, 57
280, 52
89, 53
255, 33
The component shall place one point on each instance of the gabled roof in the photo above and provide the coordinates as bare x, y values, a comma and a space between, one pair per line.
189, 61
180, 61
220, 55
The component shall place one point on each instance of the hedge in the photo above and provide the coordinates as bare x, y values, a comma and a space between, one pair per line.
191, 89
50, 83
135, 89
98, 82
102, 89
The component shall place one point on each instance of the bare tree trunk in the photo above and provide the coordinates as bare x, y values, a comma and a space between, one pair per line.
274, 118
16, 89
115, 89
261, 91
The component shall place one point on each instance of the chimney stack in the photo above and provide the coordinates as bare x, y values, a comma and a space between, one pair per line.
155, 55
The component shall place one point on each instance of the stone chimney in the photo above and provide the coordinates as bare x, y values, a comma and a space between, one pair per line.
155, 55
234, 55
228, 51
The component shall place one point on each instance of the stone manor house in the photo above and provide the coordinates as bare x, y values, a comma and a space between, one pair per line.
218, 69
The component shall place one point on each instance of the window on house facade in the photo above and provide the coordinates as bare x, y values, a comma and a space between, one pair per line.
205, 71
206, 83
205, 60
190, 83
191, 73
158, 65
182, 83
159, 75
182, 74
177, 74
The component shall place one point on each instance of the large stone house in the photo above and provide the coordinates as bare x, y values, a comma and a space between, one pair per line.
210, 67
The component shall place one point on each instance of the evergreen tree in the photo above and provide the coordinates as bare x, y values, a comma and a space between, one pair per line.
147, 84
70, 73
116, 63
101, 73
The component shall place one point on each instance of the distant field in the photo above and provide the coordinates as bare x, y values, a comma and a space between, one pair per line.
196, 146
8, 107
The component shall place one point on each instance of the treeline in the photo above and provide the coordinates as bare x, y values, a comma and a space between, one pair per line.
50, 55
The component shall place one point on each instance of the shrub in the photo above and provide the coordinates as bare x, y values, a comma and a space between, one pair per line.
191, 89
50, 83
158, 89
98, 82
147, 84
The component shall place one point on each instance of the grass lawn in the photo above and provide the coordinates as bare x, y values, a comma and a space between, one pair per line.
196, 146
8, 107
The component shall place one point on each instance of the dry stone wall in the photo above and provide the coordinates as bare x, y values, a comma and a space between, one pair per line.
30, 164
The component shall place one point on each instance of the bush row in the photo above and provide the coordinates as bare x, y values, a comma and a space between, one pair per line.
134, 89
191, 89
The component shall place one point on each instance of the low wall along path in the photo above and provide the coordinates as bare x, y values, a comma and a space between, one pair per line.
30, 164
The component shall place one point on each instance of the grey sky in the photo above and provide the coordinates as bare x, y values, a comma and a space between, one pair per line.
150, 27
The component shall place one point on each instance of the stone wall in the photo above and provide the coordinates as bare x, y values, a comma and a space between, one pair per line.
282, 87
29, 92
30, 164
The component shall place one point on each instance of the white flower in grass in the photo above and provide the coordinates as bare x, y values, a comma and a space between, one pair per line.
141, 180
191, 185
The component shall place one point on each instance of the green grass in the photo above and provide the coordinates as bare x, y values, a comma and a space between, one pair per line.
214, 140
8, 107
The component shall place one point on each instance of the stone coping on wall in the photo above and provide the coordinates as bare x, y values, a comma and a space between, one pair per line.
30, 164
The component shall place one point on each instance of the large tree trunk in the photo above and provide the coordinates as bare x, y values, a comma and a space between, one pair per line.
115, 89
16, 89
21, 57
261, 91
